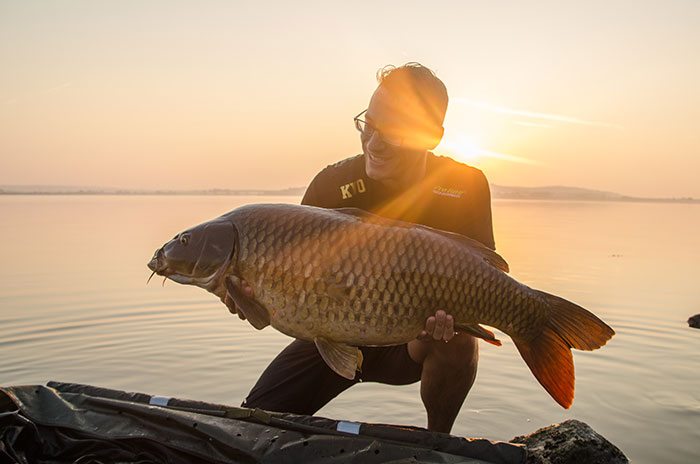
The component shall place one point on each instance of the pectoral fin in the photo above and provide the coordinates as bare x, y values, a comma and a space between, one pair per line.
256, 313
479, 332
344, 359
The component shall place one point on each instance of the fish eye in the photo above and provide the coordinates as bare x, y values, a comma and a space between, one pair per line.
184, 239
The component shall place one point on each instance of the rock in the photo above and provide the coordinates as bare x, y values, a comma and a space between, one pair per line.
571, 442
694, 321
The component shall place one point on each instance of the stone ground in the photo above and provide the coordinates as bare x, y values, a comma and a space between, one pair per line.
571, 442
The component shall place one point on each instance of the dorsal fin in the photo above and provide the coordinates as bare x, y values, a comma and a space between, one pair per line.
475, 246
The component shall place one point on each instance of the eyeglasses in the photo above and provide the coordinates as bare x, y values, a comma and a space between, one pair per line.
368, 129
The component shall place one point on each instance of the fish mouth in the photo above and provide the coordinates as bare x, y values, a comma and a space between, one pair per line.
158, 264
154, 265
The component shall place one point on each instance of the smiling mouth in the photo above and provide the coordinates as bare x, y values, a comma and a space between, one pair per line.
379, 158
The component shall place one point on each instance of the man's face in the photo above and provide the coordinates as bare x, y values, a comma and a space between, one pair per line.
392, 143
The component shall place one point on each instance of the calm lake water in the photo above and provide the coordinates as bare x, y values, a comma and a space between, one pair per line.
74, 306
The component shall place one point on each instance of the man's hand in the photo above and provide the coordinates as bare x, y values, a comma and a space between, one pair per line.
438, 327
228, 300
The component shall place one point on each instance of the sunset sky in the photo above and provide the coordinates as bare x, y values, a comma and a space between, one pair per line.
233, 94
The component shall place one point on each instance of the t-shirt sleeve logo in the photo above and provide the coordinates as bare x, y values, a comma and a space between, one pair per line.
448, 191
353, 188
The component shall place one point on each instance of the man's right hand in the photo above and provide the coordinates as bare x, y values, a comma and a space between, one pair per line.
438, 327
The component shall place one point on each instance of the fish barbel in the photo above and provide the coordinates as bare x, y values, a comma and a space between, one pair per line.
345, 278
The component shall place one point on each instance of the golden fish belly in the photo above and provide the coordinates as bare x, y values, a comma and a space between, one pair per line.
343, 326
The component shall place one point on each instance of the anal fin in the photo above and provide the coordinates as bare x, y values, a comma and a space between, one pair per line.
344, 359
256, 313
479, 332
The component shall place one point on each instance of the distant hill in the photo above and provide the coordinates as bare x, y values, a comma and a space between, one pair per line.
555, 193
81, 190
561, 193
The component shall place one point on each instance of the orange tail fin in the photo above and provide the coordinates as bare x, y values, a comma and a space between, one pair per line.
549, 354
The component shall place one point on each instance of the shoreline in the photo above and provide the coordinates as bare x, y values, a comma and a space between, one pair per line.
536, 197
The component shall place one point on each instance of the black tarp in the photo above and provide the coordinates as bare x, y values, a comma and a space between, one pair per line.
71, 423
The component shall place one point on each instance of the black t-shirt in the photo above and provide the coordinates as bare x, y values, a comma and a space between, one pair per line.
452, 196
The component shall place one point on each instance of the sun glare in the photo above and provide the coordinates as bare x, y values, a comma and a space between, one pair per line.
467, 149
462, 147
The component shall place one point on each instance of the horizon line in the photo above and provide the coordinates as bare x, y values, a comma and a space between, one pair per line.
501, 191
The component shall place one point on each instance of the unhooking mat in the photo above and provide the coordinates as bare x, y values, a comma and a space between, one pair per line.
81, 424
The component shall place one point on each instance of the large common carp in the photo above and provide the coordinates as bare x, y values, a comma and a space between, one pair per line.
346, 278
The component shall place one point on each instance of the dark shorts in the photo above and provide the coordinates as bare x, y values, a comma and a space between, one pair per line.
299, 381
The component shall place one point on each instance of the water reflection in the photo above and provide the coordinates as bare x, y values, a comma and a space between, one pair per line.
74, 306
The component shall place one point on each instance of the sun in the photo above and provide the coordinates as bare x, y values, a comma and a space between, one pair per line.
466, 148
461, 147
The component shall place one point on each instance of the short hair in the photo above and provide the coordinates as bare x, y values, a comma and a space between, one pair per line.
418, 82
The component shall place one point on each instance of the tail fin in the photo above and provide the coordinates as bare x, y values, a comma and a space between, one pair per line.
549, 354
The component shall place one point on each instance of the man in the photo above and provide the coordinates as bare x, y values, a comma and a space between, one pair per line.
397, 177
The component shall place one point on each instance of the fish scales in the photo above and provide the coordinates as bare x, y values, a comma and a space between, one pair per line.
360, 252
346, 278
